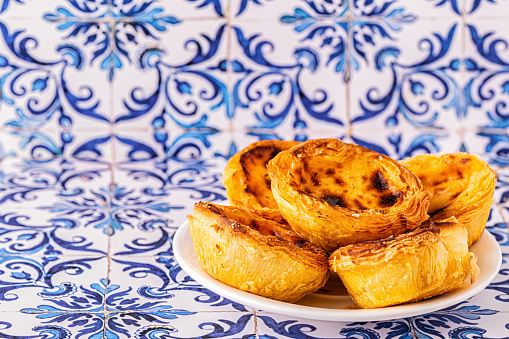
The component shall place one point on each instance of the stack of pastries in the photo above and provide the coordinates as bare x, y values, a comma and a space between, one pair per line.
394, 232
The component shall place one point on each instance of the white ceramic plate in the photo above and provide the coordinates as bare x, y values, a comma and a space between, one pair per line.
332, 302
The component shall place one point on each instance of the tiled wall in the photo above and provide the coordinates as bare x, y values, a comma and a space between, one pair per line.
194, 80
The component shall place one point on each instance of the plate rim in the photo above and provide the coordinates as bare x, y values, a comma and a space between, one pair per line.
326, 314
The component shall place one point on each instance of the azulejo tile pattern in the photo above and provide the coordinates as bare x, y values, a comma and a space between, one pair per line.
116, 116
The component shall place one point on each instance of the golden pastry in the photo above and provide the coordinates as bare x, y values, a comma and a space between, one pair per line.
255, 254
460, 185
246, 180
423, 263
334, 193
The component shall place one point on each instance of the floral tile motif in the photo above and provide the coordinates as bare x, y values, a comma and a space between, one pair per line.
165, 196
62, 203
120, 324
490, 144
406, 140
486, 67
423, 88
259, 10
282, 96
37, 88
486, 9
455, 321
190, 85
23, 234
110, 31
205, 325
57, 325
51, 283
27, 182
345, 29
157, 283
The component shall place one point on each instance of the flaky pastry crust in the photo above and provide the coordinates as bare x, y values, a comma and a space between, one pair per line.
423, 263
255, 254
246, 179
460, 185
334, 193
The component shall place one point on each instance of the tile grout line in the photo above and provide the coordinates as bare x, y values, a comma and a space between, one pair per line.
347, 78
462, 75
499, 207
229, 77
255, 314
111, 188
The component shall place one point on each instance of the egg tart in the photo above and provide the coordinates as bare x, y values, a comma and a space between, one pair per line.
460, 185
409, 267
335, 194
246, 180
256, 254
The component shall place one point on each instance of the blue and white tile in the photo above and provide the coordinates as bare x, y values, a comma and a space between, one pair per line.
146, 198
155, 239
11, 9
83, 202
160, 196
197, 9
503, 209
142, 211
50, 209
52, 283
156, 283
405, 140
136, 146
29, 233
498, 227
197, 44
436, 9
196, 149
491, 145
458, 319
109, 32
282, 83
501, 196
270, 325
487, 70
36, 146
195, 182
203, 325
486, 9
46, 56
414, 78
25, 185
55, 324
27, 39
31, 90
181, 147
344, 31
463, 320
44, 83
379, 23
93, 146
10, 149
183, 85
30, 10
269, 10
29, 185
496, 292
139, 105
86, 99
